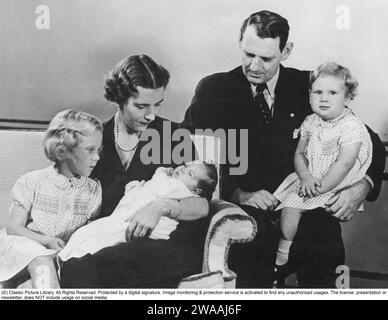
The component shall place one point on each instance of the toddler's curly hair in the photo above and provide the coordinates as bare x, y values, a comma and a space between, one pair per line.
336, 70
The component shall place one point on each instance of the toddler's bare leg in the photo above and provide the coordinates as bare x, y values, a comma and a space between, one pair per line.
289, 222
43, 273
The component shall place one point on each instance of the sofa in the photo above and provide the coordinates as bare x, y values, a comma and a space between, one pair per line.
22, 152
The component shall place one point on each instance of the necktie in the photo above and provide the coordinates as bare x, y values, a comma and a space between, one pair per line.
262, 105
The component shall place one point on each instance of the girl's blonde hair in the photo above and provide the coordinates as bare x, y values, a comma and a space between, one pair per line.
67, 129
336, 70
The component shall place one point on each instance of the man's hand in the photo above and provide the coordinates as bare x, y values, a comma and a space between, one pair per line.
346, 202
261, 199
143, 222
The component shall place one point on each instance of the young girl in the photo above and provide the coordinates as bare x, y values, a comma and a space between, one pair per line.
48, 205
334, 151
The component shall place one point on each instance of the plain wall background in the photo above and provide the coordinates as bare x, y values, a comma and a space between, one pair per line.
44, 71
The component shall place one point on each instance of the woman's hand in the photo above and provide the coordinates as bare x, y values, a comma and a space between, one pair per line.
55, 243
144, 221
308, 187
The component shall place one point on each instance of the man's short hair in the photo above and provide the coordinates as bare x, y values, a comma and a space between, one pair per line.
268, 25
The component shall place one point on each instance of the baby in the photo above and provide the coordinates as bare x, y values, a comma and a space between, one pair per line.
192, 179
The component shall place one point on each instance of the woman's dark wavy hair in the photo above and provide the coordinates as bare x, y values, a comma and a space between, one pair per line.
133, 71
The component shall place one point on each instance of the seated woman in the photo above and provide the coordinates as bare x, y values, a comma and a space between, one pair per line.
136, 85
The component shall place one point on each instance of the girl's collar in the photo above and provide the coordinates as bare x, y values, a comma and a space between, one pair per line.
64, 182
343, 114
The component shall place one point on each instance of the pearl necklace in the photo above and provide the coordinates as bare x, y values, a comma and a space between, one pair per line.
116, 133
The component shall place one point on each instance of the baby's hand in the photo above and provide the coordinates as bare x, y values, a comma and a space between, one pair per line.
165, 170
169, 171
308, 187
55, 243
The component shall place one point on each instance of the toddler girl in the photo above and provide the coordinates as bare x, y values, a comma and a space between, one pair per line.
334, 151
48, 205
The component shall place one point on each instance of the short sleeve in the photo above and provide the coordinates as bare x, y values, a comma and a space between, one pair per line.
23, 192
95, 199
305, 128
354, 131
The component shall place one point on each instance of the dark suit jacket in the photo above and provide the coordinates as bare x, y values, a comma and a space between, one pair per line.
224, 100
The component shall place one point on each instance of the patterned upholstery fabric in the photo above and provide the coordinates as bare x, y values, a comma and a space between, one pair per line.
230, 224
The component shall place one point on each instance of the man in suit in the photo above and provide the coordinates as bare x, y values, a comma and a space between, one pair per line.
271, 101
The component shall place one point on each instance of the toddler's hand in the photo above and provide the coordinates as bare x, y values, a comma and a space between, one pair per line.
55, 243
308, 187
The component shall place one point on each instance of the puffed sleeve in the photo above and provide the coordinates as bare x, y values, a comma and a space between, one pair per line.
354, 131
23, 192
95, 199
305, 128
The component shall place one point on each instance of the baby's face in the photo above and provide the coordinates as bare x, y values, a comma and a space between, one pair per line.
190, 174
328, 97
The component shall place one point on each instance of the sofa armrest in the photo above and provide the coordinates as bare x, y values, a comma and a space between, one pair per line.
229, 224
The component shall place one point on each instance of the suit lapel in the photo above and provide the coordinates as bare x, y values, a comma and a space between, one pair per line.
284, 101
